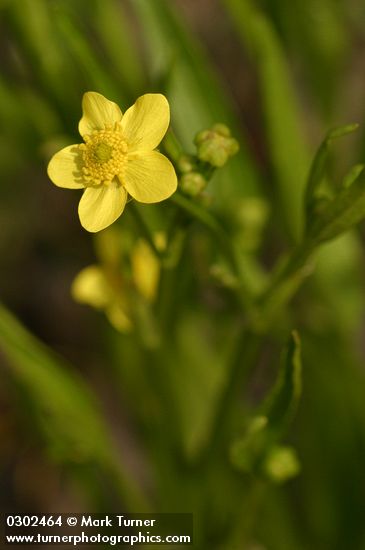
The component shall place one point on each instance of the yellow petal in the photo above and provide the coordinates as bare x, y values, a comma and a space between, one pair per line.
145, 123
100, 206
65, 168
97, 112
118, 318
91, 287
145, 270
150, 177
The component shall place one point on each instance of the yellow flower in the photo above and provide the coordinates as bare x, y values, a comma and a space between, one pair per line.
118, 158
103, 287
98, 288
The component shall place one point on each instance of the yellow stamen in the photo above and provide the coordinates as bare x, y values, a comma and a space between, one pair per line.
104, 154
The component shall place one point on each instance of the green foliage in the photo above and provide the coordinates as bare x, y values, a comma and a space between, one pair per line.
316, 34
342, 213
64, 408
330, 216
112, 26
249, 250
318, 169
257, 450
289, 154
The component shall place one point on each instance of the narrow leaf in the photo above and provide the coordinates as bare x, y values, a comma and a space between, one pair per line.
342, 213
65, 411
282, 404
289, 154
112, 25
317, 171
274, 417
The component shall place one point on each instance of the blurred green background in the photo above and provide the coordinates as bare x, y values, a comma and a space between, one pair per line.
95, 421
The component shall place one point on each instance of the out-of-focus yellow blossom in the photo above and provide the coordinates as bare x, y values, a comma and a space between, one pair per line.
146, 267
99, 288
102, 287
118, 158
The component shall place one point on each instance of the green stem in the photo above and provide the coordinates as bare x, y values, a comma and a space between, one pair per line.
247, 514
169, 295
296, 262
251, 340
261, 315
282, 288
204, 217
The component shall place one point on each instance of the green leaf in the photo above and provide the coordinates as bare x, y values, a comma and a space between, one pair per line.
282, 403
111, 23
290, 157
318, 168
286, 145
67, 415
319, 39
63, 407
353, 174
199, 373
74, 38
31, 26
342, 213
273, 419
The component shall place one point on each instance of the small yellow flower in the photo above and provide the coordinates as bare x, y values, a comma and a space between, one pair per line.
98, 288
102, 286
118, 158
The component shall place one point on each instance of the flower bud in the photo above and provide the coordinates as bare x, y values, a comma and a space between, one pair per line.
192, 183
216, 145
185, 163
281, 464
201, 136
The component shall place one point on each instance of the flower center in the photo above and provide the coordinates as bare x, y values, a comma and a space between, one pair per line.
103, 152
104, 155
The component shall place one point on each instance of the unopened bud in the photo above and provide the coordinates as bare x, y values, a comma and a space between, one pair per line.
186, 163
201, 136
216, 145
281, 464
192, 183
